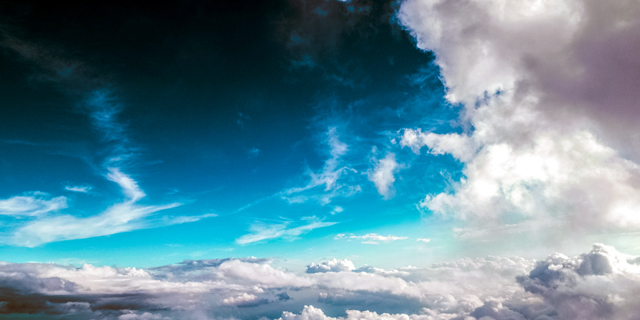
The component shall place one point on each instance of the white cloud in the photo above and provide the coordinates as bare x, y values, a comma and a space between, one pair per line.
129, 186
79, 188
333, 265
313, 313
31, 204
601, 284
370, 238
120, 217
459, 146
425, 240
261, 231
551, 99
337, 209
382, 175
240, 299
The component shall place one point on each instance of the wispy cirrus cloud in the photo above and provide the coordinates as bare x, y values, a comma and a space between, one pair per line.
121, 217
328, 177
31, 204
369, 238
97, 99
78, 188
267, 231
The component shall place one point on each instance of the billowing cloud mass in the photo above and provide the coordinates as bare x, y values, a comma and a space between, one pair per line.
601, 284
549, 90
334, 265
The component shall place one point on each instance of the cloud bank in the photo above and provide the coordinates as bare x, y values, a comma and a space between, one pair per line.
549, 91
600, 284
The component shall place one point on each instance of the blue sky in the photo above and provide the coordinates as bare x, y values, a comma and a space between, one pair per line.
271, 153
320, 159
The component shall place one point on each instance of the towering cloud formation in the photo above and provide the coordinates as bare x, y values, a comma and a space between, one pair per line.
549, 90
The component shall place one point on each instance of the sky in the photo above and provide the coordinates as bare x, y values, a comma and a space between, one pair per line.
320, 160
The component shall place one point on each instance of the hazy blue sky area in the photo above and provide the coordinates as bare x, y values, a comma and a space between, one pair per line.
314, 159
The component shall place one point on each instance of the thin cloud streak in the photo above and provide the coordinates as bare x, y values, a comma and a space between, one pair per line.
263, 232
369, 238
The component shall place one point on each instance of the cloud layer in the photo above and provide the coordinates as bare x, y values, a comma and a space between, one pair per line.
600, 284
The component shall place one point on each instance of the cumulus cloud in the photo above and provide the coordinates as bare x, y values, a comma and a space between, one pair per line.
333, 265
312, 313
383, 175
601, 284
549, 99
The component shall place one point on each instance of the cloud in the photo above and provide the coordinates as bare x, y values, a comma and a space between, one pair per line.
425, 240
31, 204
333, 265
328, 177
253, 152
120, 217
459, 146
370, 238
261, 231
312, 313
382, 175
78, 188
600, 284
549, 103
